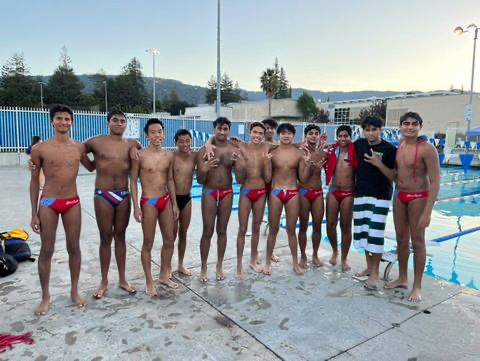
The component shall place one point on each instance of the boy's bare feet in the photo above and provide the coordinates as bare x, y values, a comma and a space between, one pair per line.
275, 258
346, 266
415, 296
167, 281
203, 275
303, 262
42, 309
220, 274
184, 271
267, 269
79, 301
316, 261
239, 275
398, 283
333, 259
298, 270
126, 287
254, 266
151, 290
101, 291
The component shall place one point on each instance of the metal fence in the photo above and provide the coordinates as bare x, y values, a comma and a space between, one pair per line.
19, 125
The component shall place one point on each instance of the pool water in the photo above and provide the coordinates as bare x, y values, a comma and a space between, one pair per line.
453, 238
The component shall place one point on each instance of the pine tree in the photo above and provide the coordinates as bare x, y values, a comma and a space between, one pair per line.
226, 86
128, 91
64, 86
284, 90
211, 93
17, 88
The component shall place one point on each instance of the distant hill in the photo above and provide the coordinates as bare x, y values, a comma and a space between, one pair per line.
194, 94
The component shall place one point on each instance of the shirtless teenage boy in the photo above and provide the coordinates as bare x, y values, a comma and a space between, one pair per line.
287, 162
184, 162
217, 194
417, 186
158, 202
311, 197
59, 157
340, 175
111, 197
253, 170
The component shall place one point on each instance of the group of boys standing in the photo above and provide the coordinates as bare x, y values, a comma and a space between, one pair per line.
284, 175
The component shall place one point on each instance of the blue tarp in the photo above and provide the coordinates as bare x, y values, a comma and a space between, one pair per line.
473, 132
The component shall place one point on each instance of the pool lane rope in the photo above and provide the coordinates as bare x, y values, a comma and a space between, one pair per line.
7, 341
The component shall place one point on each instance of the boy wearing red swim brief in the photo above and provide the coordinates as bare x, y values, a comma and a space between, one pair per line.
253, 170
288, 164
417, 186
311, 197
157, 204
59, 157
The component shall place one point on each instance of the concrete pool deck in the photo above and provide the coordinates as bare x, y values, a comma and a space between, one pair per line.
323, 315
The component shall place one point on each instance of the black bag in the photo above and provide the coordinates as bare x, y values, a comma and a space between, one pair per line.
18, 249
8, 265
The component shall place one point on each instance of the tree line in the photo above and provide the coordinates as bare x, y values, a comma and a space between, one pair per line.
125, 91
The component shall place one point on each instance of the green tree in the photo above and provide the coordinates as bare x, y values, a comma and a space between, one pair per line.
307, 107
100, 79
377, 109
128, 92
211, 93
229, 93
269, 83
174, 105
322, 116
64, 86
17, 88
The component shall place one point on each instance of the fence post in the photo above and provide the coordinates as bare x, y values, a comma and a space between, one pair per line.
17, 127
193, 132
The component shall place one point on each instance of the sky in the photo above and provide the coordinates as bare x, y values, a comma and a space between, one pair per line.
342, 45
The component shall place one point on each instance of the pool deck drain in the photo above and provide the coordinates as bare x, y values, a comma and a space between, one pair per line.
323, 315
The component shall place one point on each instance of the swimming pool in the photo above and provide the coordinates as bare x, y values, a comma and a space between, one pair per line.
453, 238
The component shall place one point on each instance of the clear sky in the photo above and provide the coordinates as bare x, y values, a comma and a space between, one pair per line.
330, 45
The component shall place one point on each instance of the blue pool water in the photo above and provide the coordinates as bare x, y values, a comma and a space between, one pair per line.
453, 252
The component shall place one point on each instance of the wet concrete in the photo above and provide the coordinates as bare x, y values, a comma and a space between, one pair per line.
322, 315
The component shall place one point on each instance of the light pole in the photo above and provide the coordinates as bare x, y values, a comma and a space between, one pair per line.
459, 30
106, 96
41, 94
219, 96
153, 51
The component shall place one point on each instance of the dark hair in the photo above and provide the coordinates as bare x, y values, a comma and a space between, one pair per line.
152, 121
257, 124
60, 108
372, 121
181, 132
286, 127
115, 112
311, 127
411, 115
270, 122
35, 139
344, 128
221, 121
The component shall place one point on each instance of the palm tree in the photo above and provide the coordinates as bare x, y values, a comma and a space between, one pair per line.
269, 83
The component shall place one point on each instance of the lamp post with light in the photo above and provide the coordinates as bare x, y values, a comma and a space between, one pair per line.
469, 109
154, 52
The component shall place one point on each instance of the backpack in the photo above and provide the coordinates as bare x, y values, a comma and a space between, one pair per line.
13, 244
8, 265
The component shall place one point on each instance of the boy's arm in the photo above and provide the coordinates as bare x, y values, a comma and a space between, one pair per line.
390, 173
35, 188
267, 166
433, 170
135, 146
171, 188
134, 172
305, 167
87, 147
